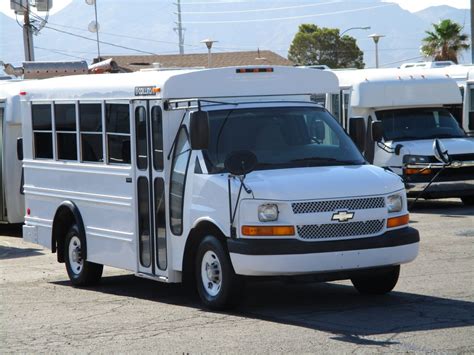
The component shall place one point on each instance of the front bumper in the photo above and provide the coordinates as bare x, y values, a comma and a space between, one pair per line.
443, 189
273, 257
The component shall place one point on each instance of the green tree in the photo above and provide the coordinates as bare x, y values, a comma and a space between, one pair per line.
315, 45
445, 42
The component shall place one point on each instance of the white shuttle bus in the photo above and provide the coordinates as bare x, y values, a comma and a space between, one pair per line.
209, 176
394, 118
12, 208
468, 107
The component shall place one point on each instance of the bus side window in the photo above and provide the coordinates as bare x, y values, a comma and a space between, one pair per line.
65, 121
181, 155
117, 120
90, 122
42, 131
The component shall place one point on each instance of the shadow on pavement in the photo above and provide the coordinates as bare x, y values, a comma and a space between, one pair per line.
446, 207
7, 252
328, 307
11, 230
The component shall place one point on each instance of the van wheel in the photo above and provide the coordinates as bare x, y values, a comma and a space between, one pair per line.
468, 200
80, 271
217, 284
378, 282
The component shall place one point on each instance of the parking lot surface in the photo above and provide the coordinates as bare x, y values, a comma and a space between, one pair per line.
431, 309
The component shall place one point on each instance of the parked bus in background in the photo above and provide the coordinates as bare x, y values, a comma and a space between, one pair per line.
409, 111
12, 208
208, 176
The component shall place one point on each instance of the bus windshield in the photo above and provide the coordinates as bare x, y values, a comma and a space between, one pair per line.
418, 123
280, 137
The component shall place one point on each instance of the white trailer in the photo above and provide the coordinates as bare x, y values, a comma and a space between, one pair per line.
210, 176
11, 198
412, 109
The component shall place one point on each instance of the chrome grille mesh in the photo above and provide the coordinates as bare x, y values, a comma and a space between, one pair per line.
340, 230
335, 205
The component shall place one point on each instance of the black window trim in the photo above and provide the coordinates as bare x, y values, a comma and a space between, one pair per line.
185, 180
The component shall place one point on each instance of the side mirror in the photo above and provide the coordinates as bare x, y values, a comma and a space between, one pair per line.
199, 130
241, 162
377, 131
19, 148
357, 132
440, 152
471, 121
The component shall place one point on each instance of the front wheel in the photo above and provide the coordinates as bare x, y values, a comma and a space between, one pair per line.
217, 284
468, 200
80, 271
377, 282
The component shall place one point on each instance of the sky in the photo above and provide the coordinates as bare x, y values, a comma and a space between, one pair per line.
410, 5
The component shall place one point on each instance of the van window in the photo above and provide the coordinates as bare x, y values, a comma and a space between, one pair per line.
66, 138
42, 131
117, 120
182, 153
90, 122
282, 137
419, 123
157, 128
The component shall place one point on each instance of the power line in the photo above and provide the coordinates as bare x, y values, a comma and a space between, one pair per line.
291, 17
259, 10
60, 52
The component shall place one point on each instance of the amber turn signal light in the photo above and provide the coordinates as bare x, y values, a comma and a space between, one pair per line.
268, 231
411, 171
398, 221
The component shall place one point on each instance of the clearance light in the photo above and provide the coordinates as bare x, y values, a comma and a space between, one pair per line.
254, 70
22, 93
268, 231
398, 221
156, 90
411, 171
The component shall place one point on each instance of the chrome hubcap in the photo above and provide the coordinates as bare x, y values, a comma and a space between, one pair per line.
211, 273
75, 255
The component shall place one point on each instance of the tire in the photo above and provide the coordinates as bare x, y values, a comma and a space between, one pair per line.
219, 287
80, 271
378, 282
468, 200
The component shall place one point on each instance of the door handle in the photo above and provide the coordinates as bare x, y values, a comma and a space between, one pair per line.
128, 180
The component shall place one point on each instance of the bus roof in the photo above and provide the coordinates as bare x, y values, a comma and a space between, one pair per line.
385, 89
183, 84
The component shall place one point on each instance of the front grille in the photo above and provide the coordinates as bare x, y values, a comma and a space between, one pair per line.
335, 205
340, 230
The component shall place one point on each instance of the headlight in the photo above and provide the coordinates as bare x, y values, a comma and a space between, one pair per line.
394, 203
268, 212
416, 159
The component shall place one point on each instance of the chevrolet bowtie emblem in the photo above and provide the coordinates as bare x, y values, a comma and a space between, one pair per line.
342, 216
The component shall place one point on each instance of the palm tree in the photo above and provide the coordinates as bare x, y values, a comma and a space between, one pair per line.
445, 42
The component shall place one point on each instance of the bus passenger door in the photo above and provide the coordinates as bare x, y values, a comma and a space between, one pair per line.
3, 216
150, 188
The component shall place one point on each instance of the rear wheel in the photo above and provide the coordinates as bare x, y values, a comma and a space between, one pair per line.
378, 282
217, 284
468, 200
80, 271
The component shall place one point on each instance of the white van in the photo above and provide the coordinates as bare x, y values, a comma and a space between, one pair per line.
209, 176
410, 111
12, 208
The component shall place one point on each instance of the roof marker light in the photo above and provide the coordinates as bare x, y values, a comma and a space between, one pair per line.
254, 70
156, 90
22, 93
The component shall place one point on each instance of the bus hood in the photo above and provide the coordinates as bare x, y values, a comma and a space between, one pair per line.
322, 182
425, 146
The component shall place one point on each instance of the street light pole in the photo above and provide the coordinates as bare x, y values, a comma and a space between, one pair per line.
376, 38
28, 34
357, 28
208, 42
336, 59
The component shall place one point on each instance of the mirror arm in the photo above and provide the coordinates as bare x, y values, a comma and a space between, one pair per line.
177, 133
388, 149
233, 211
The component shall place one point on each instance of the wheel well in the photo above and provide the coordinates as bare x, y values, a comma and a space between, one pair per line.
66, 216
195, 236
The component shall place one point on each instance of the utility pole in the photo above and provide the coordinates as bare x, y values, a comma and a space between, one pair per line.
28, 35
180, 28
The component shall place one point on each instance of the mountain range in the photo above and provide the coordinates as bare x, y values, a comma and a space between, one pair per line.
148, 26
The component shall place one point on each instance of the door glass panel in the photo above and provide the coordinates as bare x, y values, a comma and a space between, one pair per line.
160, 223
141, 141
157, 125
144, 222
178, 181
